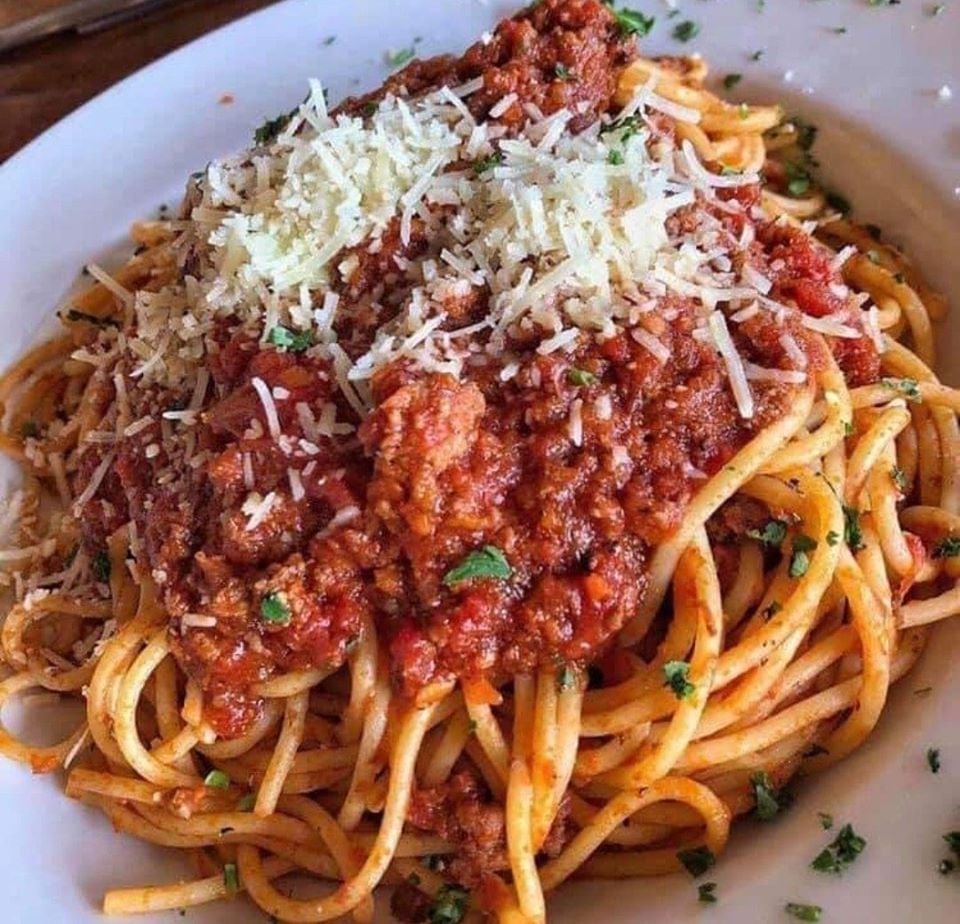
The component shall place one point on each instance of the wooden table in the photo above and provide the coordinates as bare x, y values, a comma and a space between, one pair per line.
43, 82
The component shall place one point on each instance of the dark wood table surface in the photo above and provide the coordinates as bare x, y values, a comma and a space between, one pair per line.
41, 83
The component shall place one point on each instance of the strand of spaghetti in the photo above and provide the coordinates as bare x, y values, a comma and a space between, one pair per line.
125, 718
524, 705
487, 731
933, 609
872, 620
263, 725
870, 447
455, 734
365, 768
413, 727
39, 759
697, 587
335, 840
735, 662
291, 684
363, 676
714, 813
883, 496
592, 761
543, 756
747, 587
284, 752
807, 449
935, 524
148, 899
746, 463
521, 850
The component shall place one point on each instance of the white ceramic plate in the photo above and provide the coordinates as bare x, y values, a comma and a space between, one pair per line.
887, 140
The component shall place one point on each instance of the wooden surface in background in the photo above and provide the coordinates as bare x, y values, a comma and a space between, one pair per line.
41, 83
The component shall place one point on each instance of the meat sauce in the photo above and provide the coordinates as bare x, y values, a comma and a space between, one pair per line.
574, 468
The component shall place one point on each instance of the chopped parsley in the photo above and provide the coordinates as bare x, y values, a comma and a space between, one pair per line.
486, 562
272, 127
909, 388
217, 779
806, 133
686, 30
947, 548
100, 565
848, 428
798, 179
329, 40
768, 801
287, 340
883, 2
799, 559
772, 610
632, 22
937, 9
743, 111
731, 80
566, 678
401, 57
29, 429
562, 72
629, 125
676, 674
923, 691
247, 802
803, 912
933, 759
772, 534
899, 477
274, 609
852, 533
826, 820
231, 878
581, 377
697, 860
615, 157
833, 537
450, 905
839, 30
757, 55
487, 163
953, 842
844, 849
706, 892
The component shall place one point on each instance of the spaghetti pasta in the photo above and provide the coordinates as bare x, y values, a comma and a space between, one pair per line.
458, 536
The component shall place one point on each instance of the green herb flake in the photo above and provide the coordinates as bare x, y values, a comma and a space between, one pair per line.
731, 80
697, 860
231, 878
803, 912
100, 565
839, 30
486, 562
615, 157
450, 905
581, 377
945, 867
852, 531
948, 547
413, 879
706, 892
826, 820
329, 40
487, 163
848, 428
933, 759
757, 55
772, 609
833, 537
272, 127
799, 559
247, 802
768, 800
772, 534
633, 22
29, 429
686, 30
909, 388
562, 72
217, 779
844, 849
290, 341
400, 57
274, 609
677, 674
937, 9
923, 691
899, 477
566, 678
953, 841
743, 111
